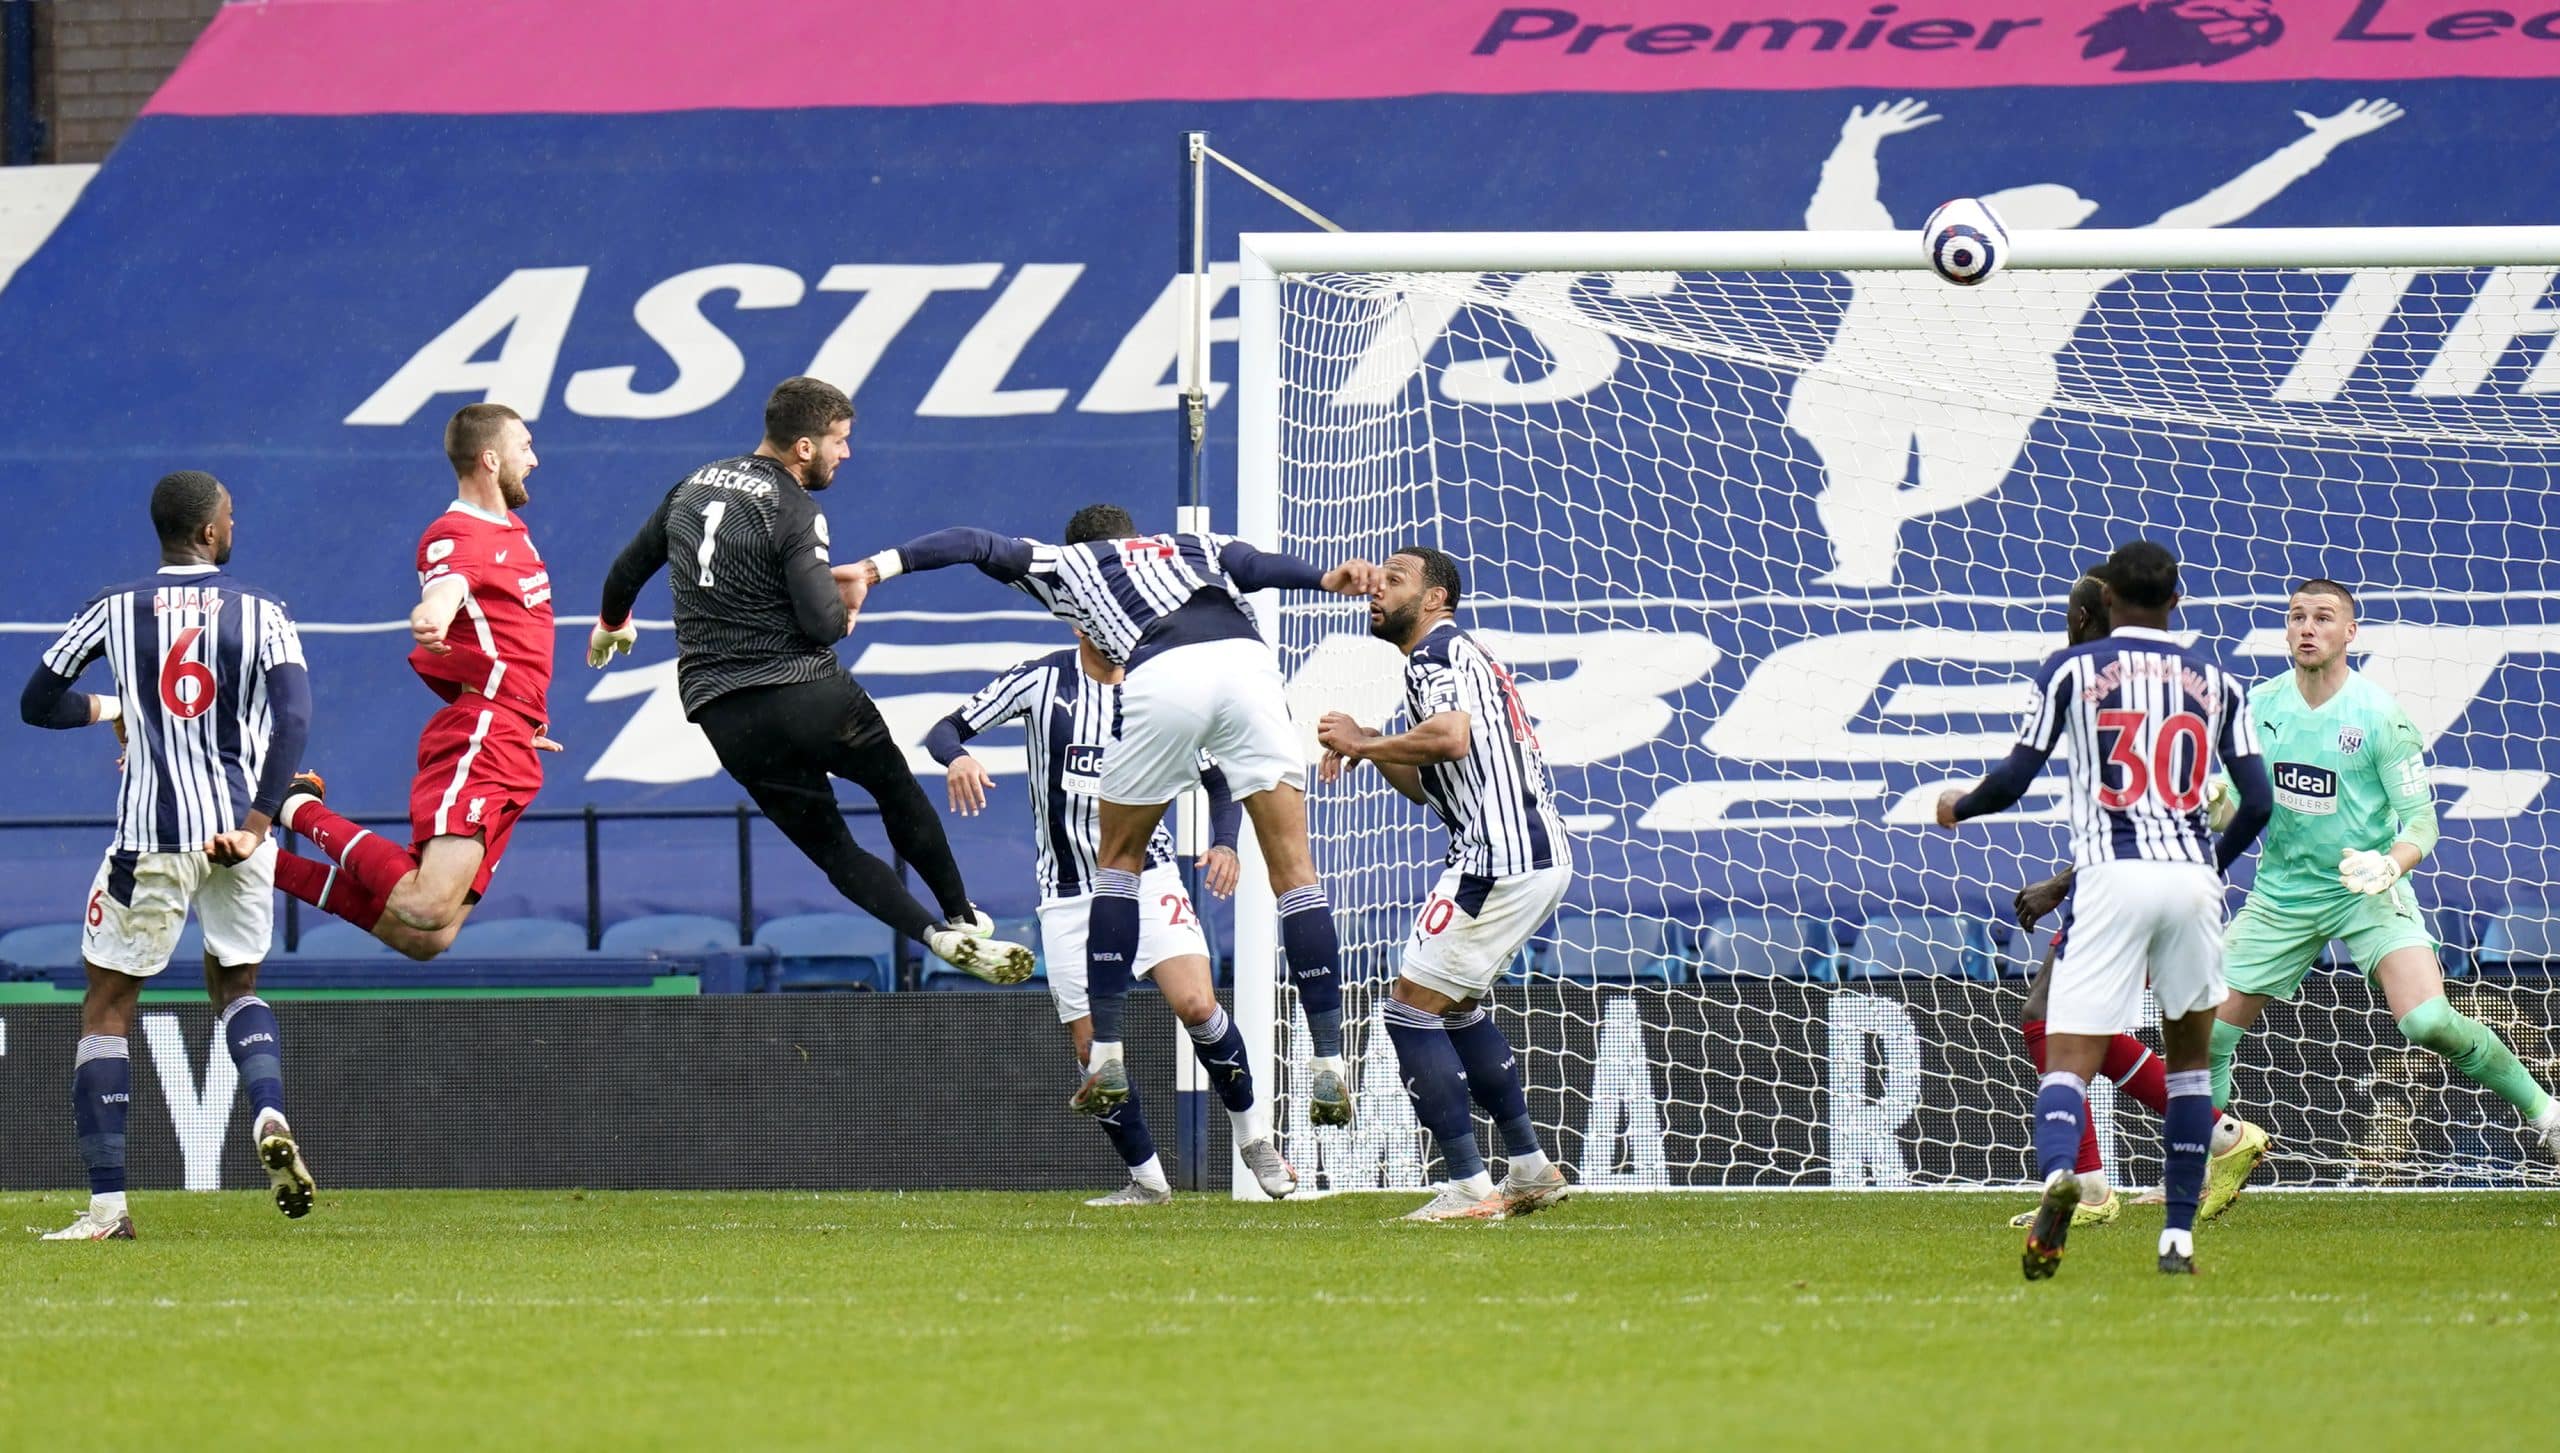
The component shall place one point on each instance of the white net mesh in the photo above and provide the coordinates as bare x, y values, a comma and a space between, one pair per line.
1773, 554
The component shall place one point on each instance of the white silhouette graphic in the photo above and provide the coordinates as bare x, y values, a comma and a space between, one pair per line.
1866, 405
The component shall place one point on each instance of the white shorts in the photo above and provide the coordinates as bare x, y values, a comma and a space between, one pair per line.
1167, 929
1224, 698
1470, 928
2131, 921
138, 906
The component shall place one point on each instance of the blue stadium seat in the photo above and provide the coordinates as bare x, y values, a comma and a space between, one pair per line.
1898, 944
519, 938
1763, 946
2524, 938
333, 939
830, 951
1613, 948
42, 946
670, 935
952, 981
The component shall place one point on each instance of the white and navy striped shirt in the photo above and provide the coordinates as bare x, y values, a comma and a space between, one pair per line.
2146, 718
1133, 599
191, 648
1069, 718
1500, 811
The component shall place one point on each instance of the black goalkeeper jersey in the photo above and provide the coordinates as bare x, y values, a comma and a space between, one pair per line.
755, 597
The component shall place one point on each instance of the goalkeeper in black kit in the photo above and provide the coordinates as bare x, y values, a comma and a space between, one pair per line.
758, 610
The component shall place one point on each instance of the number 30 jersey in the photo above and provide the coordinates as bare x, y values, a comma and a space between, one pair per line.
2146, 718
1500, 811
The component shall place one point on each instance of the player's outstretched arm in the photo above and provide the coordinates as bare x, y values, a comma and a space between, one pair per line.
1000, 557
2260, 184
1252, 569
2402, 763
1846, 197
1999, 789
614, 632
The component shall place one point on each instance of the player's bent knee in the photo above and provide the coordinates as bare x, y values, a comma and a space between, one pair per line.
2433, 1025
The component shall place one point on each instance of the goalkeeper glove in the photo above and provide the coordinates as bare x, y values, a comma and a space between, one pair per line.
2367, 872
2221, 804
603, 645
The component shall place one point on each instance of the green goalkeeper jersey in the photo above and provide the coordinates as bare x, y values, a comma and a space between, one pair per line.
2349, 774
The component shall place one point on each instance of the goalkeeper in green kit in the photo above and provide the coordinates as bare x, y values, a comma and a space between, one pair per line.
2353, 816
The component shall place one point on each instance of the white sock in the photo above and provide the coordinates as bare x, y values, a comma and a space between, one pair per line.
1251, 1123
1150, 1174
2093, 1187
2550, 1115
1531, 1166
1479, 1185
1333, 1063
1103, 1049
258, 1127
2181, 1242
107, 1205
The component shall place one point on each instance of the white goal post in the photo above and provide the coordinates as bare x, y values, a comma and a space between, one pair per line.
1772, 525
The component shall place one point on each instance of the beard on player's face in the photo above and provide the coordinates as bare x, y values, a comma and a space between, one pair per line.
1394, 623
511, 488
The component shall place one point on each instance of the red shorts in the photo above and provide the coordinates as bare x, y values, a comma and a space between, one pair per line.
477, 773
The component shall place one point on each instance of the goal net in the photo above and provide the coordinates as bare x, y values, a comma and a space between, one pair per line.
1773, 530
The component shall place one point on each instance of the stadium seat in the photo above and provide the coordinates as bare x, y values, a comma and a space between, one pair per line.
332, 939
830, 951
670, 935
42, 946
1762, 946
1894, 945
951, 981
519, 938
2524, 938
1613, 948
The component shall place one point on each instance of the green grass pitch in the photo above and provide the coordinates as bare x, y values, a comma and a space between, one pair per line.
557, 1320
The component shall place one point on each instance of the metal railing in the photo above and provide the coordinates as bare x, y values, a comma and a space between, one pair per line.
592, 820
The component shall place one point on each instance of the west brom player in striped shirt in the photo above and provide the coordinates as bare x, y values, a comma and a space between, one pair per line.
479, 757
1469, 754
2146, 718
2137, 1072
214, 704
1170, 610
758, 612
1069, 704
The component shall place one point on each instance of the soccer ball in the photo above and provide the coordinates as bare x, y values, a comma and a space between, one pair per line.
1966, 240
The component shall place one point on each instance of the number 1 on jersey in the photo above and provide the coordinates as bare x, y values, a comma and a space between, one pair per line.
711, 514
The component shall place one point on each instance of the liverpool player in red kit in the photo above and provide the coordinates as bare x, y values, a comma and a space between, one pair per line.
483, 633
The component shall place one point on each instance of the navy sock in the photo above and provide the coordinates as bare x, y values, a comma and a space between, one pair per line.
101, 1088
1493, 1077
249, 1027
2187, 1133
2062, 1107
1438, 1085
1128, 1130
1111, 948
1221, 1053
1315, 961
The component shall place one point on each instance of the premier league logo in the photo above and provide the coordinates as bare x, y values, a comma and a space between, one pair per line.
2351, 739
2159, 35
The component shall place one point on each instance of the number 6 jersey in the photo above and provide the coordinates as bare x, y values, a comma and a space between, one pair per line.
2146, 717
1500, 811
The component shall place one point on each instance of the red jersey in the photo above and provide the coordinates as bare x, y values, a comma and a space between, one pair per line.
501, 639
